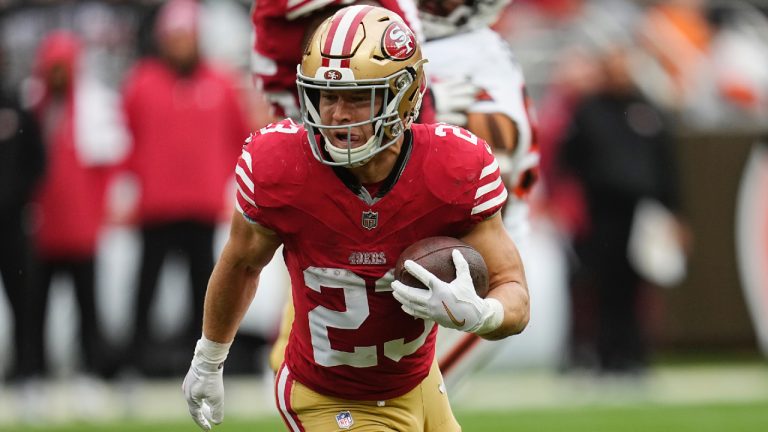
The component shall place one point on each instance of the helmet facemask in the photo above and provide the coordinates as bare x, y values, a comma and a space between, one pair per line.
386, 96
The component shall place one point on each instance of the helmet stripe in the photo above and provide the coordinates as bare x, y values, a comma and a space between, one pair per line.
351, 33
329, 40
341, 35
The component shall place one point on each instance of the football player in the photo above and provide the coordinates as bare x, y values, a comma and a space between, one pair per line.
345, 193
498, 112
281, 29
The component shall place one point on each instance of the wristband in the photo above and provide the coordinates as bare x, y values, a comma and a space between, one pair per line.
492, 318
210, 351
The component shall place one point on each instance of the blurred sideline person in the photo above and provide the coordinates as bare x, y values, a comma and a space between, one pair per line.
186, 119
345, 197
484, 91
618, 146
575, 76
281, 29
22, 163
84, 138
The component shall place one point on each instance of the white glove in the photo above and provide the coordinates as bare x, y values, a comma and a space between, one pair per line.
203, 386
453, 305
453, 97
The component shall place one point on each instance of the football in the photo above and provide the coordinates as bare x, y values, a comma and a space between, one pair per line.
434, 254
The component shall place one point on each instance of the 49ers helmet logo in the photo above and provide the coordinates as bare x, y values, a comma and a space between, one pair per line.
332, 74
398, 42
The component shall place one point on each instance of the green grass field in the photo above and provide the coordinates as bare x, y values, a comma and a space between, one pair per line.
687, 397
732, 417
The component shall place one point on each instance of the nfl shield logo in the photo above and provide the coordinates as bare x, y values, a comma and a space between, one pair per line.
370, 219
344, 419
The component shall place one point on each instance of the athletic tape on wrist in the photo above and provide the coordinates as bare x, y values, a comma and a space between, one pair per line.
492, 318
212, 352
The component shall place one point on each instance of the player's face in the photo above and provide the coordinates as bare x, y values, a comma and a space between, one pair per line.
347, 107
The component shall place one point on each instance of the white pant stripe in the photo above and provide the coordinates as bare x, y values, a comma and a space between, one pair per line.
282, 402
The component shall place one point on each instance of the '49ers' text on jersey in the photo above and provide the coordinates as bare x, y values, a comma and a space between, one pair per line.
350, 338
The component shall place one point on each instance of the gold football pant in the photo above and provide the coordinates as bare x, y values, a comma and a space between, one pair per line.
423, 409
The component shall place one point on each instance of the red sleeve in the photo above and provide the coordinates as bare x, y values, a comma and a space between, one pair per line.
277, 47
246, 194
490, 193
263, 187
463, 171
298, 8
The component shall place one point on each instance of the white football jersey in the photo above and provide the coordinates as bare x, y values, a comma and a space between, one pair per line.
484, 57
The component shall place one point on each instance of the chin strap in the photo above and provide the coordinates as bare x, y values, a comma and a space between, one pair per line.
344, 155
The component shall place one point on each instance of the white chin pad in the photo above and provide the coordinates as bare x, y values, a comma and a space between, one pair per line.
355, 156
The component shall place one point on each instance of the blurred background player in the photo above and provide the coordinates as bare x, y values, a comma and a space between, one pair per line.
187, 123
280, 32
484, 91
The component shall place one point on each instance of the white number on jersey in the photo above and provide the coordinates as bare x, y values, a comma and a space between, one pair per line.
286, 128
357, 311
464, 134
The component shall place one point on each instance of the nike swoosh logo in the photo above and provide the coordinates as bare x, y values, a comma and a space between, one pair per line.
452, 317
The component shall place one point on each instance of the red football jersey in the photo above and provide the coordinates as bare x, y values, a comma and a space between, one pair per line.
350, 339
280, 27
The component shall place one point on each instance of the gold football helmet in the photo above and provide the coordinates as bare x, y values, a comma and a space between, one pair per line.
362, 48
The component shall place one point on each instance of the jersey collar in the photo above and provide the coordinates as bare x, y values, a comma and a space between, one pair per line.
351, 182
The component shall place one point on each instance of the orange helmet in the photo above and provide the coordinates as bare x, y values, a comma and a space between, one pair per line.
358, 48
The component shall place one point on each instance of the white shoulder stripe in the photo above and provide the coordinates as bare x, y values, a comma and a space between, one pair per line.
245, 195
489, 169
246, 156
241, 174
482, 190
490, 203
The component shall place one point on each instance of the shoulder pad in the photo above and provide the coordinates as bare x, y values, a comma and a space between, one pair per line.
460, 169
279, 155
456, 158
